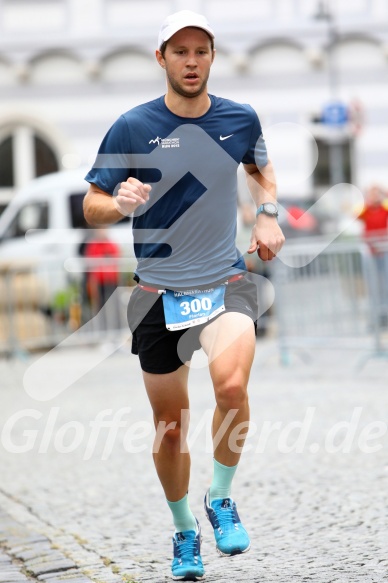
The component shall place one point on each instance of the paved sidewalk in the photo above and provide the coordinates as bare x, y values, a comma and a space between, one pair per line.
314, 501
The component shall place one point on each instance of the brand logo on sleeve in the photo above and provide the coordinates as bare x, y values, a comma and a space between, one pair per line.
222, 138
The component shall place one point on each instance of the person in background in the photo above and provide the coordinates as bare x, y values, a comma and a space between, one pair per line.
102, 276
374, 217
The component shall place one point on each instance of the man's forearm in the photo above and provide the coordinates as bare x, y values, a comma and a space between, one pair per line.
267, 237
99, 208
261, 183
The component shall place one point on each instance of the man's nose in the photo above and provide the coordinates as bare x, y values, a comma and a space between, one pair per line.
191, 60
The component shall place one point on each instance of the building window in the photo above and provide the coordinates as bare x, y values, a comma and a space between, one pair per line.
334, 164
24, 155
45, 159
7, 178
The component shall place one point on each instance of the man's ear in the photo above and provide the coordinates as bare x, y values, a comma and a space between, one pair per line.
213, 55
160, 58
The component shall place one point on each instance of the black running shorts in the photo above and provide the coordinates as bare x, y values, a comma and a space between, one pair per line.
162, 351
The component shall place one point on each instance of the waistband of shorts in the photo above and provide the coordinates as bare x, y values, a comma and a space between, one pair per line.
153, 289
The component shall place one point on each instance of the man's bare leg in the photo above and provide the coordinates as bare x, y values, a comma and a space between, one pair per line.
230, 344
168, 395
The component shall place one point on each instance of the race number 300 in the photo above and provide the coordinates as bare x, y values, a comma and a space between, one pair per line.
195, 306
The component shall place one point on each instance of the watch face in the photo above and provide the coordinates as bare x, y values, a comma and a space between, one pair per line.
270, 208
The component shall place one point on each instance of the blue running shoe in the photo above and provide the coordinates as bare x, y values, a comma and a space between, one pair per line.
187, 563
231, 537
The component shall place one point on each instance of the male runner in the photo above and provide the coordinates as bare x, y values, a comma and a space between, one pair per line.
192, 291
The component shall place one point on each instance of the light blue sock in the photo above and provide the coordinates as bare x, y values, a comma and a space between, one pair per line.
222, 481
182, 516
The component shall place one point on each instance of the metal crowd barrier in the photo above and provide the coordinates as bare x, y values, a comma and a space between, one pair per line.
42, 304
325, 296
329, 295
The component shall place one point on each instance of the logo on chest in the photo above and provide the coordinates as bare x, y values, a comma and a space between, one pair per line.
166, 142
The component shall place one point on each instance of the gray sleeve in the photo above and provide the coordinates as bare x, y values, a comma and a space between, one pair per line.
261, 156
257, 151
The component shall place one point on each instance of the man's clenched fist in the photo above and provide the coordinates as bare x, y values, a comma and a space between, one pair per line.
130, 195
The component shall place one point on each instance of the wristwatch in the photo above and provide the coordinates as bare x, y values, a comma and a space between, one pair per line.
268, 208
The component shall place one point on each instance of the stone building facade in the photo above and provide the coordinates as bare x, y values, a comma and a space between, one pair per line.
69, 68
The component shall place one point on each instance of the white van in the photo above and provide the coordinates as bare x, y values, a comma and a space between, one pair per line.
44, 226
52, 205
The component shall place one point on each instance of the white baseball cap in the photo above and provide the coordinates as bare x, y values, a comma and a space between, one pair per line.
182, 19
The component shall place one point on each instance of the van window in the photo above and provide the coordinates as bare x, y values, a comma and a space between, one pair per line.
31, 216
77, 219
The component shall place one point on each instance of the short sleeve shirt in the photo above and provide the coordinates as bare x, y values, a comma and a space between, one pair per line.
185, 234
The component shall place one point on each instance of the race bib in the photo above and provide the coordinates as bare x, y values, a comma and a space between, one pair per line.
184, 309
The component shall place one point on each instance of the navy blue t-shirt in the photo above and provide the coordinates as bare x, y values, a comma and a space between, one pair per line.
185, 234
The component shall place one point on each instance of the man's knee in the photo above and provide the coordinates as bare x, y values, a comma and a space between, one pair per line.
231, 392
171, 432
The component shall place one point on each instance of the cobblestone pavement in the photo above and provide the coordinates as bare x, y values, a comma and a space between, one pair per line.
311, 487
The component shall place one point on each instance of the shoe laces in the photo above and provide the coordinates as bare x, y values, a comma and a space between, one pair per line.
187, 548
226, 517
